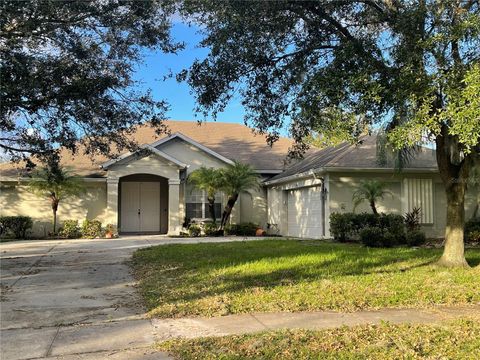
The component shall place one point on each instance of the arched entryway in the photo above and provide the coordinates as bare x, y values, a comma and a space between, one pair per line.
143, 204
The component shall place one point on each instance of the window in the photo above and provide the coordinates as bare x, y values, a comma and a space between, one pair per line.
197, 204
418, 193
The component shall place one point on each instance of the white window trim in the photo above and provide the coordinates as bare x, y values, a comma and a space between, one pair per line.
205, 202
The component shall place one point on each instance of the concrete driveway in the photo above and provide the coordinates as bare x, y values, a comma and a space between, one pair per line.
72, 299
76, 299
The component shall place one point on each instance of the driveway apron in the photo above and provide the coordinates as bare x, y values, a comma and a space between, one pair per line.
72, 298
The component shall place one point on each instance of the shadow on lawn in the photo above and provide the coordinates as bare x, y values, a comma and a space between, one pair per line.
207, 270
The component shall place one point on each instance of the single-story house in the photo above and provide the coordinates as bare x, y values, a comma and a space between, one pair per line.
146, 192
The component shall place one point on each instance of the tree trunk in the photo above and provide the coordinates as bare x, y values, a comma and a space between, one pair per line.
228, 210
211, 209
454, 251
374, 208
54, 210
454, 171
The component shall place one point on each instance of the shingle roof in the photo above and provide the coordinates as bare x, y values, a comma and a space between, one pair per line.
232, 140
358, 156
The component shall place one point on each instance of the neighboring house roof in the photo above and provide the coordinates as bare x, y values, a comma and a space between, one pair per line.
231, 141
360, 156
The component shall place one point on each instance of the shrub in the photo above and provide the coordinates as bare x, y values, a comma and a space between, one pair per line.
194, 230
70, 229
472, 230
412, 219
416, 238
109, 231
16, 226
341, 226
395, 227
91, 229
373, 236
242, 229
210, 229
349, 225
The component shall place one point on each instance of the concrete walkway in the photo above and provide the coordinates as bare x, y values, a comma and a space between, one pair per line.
250, 323
75, 298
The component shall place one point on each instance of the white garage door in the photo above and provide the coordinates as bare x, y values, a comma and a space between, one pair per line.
305, 212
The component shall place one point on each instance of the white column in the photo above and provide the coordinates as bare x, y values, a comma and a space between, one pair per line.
175, 218
112, 202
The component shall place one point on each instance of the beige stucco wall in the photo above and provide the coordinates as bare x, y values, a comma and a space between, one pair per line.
190, 154
253, 207
277, 208
343, 185
101, 200
15, 199
152, 164
250, 207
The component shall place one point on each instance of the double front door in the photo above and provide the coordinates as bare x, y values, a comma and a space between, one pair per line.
140, 207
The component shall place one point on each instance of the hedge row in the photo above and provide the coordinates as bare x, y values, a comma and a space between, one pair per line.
383, 230
18, 227
89, 229
15, 226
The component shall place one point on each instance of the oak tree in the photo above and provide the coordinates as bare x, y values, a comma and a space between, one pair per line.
411, 66
66, 73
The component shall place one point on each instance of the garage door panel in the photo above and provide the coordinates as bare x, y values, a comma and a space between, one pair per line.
304, 212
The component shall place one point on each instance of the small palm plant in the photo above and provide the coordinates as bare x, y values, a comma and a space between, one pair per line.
235, 179
370, 191
208, 180
56, 184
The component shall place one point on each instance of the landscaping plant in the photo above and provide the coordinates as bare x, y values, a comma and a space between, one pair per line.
91, 229
56, 184
194, 230
15, 225
70, 229
208, 180
235, 179
370, 191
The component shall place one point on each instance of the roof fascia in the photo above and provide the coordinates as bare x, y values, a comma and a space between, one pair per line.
303, 175
148, 147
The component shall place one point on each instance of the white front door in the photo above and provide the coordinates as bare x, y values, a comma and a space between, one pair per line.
304, 213
140, 207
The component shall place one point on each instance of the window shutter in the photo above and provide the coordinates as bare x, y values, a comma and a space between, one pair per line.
419, 193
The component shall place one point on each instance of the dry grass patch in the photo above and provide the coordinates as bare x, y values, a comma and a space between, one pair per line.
453, 340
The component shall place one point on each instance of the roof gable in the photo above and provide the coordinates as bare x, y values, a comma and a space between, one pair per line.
179, 135
149, 150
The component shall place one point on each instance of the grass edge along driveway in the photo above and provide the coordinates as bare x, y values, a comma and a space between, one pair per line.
459, 339
218, 279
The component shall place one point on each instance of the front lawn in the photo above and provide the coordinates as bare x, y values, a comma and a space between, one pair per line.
452, 340
289, 275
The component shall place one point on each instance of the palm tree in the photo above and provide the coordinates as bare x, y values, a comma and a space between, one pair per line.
56, 184
208, 180
370, 191
235, 179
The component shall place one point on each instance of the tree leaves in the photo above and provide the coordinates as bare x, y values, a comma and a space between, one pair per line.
67, 74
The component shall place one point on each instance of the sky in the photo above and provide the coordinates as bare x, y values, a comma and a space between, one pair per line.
157, 64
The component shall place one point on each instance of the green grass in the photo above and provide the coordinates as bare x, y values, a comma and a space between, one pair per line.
452, 340
279, 275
